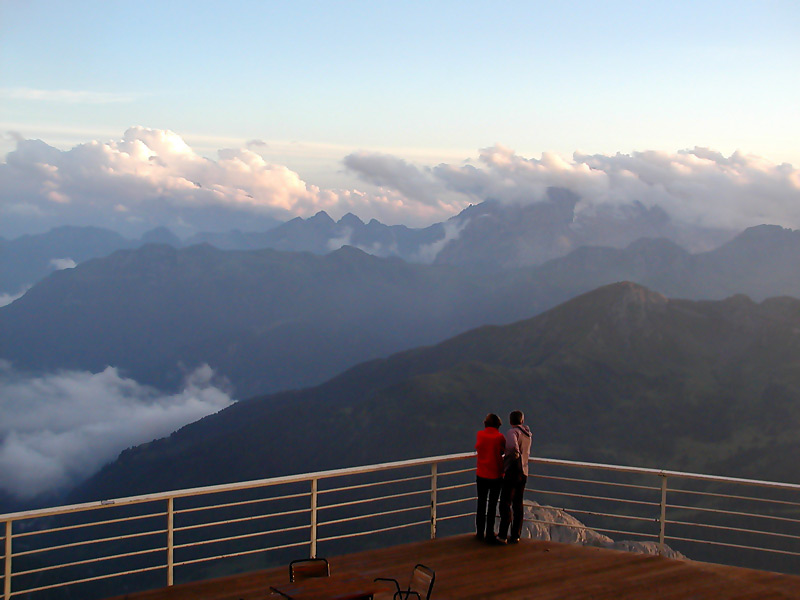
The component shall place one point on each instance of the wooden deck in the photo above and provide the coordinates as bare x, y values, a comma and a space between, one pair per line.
469, 570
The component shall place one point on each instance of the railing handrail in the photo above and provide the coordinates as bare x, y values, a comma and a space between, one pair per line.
333, 473
666, 473
317, 505
230, 487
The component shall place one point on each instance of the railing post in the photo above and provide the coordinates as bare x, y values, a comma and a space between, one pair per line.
434, 477
662, 520
170, 541
314, 518
7, 561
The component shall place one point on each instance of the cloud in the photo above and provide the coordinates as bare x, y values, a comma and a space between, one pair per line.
152, 178
6, 299
60, 428
59, 264
698, 186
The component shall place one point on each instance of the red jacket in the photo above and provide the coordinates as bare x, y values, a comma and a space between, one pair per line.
490, 446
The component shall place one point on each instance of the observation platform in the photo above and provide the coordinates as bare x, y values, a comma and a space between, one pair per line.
470, 570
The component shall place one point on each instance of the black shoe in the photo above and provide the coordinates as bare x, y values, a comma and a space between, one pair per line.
497, 541
513, 541
479, 537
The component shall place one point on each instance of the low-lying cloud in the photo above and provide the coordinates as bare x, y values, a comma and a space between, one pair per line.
152, 178
58, 429
699, 186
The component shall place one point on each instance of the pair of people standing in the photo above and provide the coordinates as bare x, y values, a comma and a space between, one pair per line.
502, 473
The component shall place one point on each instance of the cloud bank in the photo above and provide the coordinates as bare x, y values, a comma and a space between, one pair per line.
152, 178
698, 186
60, 428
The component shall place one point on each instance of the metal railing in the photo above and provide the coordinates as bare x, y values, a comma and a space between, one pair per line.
113, 546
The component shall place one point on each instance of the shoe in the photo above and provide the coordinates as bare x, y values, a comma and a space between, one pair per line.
479, 537
513, 541
497, 541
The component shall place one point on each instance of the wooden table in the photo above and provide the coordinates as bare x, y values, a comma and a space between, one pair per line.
340, 586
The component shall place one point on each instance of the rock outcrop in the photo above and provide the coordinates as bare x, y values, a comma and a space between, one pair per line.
553, 524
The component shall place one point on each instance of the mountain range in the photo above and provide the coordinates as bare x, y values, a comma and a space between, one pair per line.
270, 320
621, 374
491, 235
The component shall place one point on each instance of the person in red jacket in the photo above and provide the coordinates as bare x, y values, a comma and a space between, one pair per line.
490, 445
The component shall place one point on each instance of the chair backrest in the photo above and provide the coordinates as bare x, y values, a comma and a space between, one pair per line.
422, 579
308, 567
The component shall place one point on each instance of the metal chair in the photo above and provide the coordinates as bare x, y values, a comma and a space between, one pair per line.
308, 567
420, 585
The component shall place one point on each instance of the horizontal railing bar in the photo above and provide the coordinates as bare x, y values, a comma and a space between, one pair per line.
458, 501
84, 525
381, 530
737, 529
455, 487
373, 484
665, 473
29, 514
90, 560
595, 481
86, 542
733, 512
230, 487
727, 545
590, 497
87, 580
371, 515
243, 553
242, 519
612, 515
735, 497
243, 536
459, 471
366, 500
181, 511
450, 517
586, 527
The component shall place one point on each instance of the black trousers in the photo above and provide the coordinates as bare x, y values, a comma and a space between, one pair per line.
511, 496
488, 490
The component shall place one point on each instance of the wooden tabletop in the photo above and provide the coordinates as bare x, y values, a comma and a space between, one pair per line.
339, 586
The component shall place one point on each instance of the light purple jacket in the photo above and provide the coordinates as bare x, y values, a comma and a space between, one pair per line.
518, 443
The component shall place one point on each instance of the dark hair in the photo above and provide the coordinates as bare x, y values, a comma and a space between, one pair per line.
516, 417
492, 420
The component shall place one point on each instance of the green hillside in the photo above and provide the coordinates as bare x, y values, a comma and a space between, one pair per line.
621, 374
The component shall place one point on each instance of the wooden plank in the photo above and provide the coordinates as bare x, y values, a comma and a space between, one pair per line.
469, 570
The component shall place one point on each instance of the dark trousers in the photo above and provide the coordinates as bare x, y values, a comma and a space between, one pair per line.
488, 489
511, 496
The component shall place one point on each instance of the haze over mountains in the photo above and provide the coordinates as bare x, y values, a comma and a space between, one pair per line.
621, 374
269, 320
491, 235
184, 327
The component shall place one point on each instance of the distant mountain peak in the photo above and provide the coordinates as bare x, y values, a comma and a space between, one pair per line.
321, 217
351, 220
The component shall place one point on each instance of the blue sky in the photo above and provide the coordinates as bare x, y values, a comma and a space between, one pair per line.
427, 82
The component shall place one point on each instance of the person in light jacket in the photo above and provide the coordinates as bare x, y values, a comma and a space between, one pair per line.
515, 476
490, 444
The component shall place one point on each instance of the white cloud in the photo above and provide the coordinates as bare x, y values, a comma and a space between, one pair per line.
152, 177
59, 264
697, 186
60, 428
6, 299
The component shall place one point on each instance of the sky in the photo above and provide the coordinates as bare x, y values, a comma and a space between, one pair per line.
211, 116
267, 106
